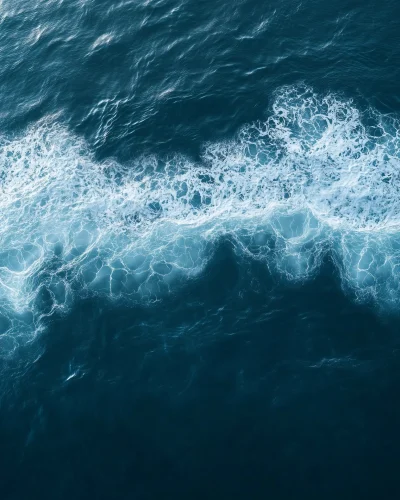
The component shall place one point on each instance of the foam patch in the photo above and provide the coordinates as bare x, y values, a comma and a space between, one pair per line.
317, 176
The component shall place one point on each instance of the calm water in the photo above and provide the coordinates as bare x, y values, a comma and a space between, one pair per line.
199, 249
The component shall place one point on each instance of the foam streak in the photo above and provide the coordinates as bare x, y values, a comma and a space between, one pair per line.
317, 176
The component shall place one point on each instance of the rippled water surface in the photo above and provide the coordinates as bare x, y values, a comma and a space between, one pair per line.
199, 249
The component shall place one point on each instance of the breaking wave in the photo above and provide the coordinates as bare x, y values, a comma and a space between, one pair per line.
317, 176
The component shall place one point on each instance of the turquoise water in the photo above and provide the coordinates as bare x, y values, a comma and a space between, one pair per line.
199, 249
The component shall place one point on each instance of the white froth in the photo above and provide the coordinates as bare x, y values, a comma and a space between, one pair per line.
316, 176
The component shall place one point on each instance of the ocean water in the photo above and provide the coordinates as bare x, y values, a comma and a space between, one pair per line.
199, 249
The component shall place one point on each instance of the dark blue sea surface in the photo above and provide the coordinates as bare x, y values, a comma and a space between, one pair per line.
199, 249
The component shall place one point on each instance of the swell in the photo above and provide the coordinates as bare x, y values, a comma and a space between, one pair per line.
317, 176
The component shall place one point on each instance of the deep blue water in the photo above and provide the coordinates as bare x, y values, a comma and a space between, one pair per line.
199, 249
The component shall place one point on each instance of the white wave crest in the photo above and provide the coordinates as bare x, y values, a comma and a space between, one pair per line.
317, 176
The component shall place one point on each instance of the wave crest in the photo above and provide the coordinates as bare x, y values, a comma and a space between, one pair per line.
317, 176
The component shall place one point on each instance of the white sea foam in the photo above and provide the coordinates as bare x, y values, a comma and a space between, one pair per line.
317, 176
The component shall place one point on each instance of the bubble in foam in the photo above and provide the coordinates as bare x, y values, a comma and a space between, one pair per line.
317, 176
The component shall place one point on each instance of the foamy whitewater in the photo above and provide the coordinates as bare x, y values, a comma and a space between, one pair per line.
317, 177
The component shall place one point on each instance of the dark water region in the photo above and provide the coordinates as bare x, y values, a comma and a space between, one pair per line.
214, 393
253, 375
167, 75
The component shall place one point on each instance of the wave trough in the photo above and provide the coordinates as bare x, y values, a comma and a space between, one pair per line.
317, 176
